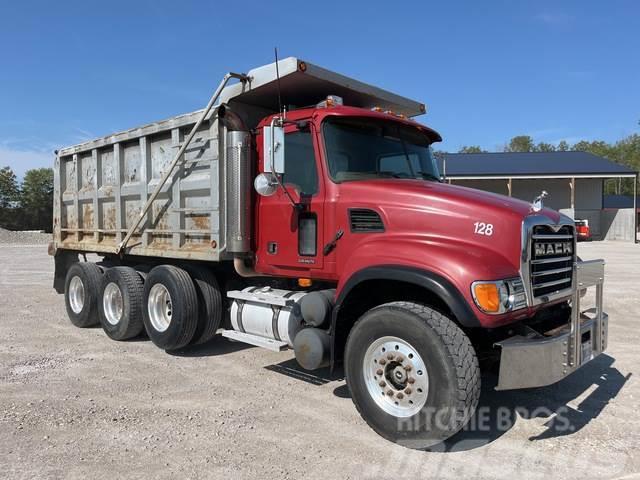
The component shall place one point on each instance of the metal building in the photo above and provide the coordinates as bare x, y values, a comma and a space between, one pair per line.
574, 181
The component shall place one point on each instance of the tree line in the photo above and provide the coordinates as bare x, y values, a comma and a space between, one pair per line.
625, 151
26, 205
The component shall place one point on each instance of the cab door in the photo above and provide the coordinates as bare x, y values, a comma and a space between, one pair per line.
290, 238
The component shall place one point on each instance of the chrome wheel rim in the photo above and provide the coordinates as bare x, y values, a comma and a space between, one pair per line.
76, 294
112, 303
160, 307
396, 376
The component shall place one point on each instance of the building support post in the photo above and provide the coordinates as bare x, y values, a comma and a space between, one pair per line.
509, 186
573, 195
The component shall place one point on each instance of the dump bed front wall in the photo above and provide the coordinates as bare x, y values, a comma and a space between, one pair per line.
100, 192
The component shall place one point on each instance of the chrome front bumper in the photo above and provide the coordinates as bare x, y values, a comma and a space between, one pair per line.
532, 359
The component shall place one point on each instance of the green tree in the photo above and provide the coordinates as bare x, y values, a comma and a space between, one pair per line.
471, 149
520, 143
9, 193
625, 152
563, 146
544, 147
8, 187
597, 147
37, 199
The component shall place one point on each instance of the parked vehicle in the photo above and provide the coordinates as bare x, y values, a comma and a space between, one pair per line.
349, 249
583, 232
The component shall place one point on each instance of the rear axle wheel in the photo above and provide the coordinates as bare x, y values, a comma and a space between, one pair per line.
121, 305
82, 290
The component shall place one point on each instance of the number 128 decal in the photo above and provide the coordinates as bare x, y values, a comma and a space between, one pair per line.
482, 228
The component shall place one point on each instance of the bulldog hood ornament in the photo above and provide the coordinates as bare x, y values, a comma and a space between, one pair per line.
538, 202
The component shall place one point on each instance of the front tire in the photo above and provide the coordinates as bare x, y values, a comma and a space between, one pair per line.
413, 374
171, 307
81, 293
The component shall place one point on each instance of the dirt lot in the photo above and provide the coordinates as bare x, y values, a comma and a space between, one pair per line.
75, 404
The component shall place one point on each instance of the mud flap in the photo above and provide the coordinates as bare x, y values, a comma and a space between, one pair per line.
63, 260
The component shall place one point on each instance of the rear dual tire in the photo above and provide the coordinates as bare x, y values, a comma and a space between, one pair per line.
171, 307
209, 303
121, 303
81, 294
175, 308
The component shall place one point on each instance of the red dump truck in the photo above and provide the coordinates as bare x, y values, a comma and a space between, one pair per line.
304, 210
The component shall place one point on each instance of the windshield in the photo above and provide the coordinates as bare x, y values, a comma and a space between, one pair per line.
365, 148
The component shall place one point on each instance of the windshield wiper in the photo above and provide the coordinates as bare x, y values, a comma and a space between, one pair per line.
392, 174
428, 176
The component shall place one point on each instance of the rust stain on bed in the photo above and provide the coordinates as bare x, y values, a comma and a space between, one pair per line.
88, 220
200, 222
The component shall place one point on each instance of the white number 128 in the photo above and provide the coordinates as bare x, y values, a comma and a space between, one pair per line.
482, 228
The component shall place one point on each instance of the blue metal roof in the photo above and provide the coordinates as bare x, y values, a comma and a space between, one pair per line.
619, 201
520, 164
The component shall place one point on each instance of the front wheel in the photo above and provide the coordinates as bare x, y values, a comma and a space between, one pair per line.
413, 374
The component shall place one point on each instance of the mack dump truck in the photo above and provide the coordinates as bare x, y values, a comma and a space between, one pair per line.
302, 209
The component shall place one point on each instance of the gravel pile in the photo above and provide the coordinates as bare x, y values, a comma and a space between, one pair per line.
27, 237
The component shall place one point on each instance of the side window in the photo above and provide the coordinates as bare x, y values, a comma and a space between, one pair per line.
300, 162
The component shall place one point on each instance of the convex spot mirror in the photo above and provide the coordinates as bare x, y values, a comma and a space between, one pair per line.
273, 148
265, 184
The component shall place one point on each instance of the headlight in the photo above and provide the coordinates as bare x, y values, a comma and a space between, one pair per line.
499, 296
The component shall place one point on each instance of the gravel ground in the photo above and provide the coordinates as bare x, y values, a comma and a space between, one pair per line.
74, 404
29, 237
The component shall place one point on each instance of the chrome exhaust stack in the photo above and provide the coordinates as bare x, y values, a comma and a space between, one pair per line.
238, 181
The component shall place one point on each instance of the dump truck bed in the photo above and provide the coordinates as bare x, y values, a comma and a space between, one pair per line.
101, 185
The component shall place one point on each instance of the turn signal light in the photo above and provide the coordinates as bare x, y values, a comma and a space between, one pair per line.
500, 296
304, 282
487, 297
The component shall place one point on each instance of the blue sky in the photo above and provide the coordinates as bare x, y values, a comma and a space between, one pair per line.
487, 70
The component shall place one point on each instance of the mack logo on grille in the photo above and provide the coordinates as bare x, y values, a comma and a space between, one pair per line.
558, 248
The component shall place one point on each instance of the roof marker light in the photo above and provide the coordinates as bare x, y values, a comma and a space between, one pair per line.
330, 101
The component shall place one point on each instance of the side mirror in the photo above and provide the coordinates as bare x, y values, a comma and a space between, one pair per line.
273, 148
265, 184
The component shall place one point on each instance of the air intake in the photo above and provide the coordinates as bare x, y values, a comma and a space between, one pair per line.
364, 220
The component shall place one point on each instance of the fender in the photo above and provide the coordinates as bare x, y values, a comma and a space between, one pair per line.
430, 281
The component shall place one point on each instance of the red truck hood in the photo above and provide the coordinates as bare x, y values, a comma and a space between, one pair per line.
459, 233
470, 224
451, 199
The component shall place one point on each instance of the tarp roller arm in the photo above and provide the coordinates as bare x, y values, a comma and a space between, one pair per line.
243, 78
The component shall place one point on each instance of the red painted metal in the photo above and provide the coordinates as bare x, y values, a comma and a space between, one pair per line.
428, 225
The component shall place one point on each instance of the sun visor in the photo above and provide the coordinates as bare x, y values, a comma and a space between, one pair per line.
303, 84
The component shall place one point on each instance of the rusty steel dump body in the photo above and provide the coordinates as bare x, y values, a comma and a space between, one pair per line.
101, 186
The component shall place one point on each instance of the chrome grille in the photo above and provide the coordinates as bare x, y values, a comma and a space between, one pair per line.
552, 256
